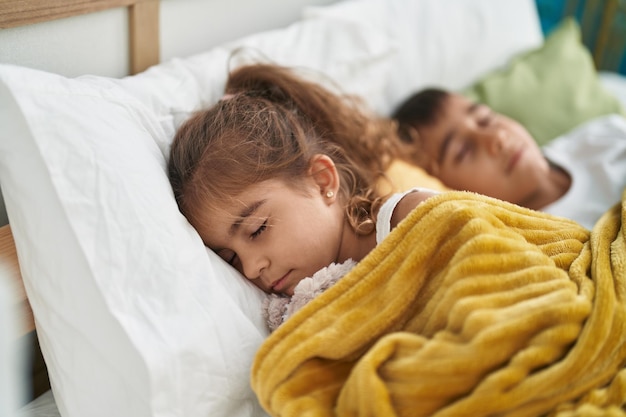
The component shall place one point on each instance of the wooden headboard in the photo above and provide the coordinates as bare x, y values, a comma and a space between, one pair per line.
143, 21
8, 258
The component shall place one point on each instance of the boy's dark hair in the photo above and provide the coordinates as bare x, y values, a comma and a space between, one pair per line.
420, 109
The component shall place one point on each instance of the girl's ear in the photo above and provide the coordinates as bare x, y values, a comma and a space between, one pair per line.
324, 173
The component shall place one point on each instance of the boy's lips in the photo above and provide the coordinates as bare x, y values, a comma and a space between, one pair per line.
514, 160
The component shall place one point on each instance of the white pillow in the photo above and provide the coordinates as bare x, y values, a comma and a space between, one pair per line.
135, 317
447, 43
615, 83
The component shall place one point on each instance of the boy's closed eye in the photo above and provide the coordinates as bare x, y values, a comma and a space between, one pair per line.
484, 115
463, 150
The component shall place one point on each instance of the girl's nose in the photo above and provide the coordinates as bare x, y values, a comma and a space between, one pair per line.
253, 265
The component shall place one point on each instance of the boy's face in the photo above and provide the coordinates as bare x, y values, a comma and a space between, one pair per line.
474, 149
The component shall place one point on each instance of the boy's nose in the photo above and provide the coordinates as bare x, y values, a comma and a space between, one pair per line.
493, 140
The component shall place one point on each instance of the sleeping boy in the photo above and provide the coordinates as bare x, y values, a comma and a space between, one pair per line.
470, 147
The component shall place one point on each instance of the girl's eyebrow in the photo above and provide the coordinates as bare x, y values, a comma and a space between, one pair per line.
244, 214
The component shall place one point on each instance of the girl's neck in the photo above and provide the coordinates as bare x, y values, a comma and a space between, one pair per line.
355, 246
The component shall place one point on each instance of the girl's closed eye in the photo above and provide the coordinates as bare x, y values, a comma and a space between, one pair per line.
228, 255
259, 230
232, 258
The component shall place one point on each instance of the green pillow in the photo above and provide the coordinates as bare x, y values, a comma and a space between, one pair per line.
549, 90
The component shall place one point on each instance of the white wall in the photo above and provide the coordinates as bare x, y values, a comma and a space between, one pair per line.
98, 43
191, 26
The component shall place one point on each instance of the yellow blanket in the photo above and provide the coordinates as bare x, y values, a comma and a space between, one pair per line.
471, 307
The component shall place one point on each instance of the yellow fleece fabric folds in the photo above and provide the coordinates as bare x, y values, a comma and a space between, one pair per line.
471, 307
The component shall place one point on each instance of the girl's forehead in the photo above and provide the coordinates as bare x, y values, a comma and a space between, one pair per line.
229, 209
223, 219
216, 226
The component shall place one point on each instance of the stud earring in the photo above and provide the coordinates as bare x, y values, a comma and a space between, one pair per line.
329, 194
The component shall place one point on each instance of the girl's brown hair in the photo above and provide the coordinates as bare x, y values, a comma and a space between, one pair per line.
269, 125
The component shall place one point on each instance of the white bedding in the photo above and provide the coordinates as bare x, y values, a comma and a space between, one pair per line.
615, 83
44, 405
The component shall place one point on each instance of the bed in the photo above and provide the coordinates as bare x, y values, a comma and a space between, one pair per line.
133, 316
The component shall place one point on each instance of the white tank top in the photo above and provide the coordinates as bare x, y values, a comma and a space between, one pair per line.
383, 220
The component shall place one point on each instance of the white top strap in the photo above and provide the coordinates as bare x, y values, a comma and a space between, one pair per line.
383, 220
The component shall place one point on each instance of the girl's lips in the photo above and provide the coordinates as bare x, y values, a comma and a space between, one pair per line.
277, 286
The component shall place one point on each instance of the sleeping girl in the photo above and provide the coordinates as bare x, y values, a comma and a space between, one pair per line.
273, 180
